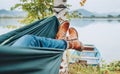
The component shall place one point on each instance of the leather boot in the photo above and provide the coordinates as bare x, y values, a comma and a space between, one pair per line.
62, 31
73, 41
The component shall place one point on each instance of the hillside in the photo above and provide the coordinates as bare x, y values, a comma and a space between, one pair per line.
87, 13
83, 12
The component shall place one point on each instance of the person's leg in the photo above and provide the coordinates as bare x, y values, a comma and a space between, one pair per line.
62, 31
73, 40
35, 41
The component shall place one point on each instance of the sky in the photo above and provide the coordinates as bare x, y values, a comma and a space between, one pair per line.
99, 6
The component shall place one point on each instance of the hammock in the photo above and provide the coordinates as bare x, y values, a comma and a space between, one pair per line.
30, 60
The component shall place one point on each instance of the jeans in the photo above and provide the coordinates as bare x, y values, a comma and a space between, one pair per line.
35, 41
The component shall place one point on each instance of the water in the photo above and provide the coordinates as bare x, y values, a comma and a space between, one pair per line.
9, 21
4, 22
103, 33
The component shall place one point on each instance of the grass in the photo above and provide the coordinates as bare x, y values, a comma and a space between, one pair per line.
83, 69
112, 68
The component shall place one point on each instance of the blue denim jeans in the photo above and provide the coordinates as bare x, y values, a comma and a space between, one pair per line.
35, 41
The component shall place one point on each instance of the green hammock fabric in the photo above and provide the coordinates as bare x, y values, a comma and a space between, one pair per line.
30, 60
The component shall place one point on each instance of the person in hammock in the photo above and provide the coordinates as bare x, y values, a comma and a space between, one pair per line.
62, 41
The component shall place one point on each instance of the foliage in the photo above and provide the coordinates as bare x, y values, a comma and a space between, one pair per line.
114, 66
74, 14
36, 9
111, 68
110, 16
83, 69
82, 3
118, 15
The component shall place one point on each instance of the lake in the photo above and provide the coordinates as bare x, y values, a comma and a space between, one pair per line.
103, 33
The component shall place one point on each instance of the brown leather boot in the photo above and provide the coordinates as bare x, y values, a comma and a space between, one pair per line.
62, 30
73, 41
73, 34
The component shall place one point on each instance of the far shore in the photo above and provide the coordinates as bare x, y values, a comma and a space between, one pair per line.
72, 17
10, 17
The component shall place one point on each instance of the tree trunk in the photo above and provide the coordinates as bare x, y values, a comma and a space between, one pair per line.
60, 12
